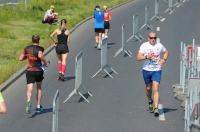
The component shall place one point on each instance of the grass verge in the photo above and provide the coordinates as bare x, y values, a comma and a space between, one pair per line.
18, 24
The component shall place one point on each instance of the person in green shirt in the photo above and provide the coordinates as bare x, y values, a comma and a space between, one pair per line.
3, 108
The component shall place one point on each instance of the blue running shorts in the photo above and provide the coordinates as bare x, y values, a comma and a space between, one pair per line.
150, 76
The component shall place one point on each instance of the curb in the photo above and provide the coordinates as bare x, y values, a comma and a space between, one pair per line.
19, 73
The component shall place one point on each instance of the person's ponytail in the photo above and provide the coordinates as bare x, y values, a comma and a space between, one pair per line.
63, 23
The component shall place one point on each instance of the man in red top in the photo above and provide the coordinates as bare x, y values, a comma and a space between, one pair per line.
34, 73
107, 18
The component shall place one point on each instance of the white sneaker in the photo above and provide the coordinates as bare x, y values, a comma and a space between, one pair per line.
103, 35
99, 46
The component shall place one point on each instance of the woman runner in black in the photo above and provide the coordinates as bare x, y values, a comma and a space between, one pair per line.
61, 46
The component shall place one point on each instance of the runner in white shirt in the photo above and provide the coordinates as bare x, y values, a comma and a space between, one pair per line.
155, 55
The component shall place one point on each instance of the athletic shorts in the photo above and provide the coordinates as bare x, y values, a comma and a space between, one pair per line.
106, 25
99, 30
150, 76
34, 76
1, 98
62, 48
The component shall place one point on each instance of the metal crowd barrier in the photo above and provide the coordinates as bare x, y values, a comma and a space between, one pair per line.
104, 60
157, 16
78, 78
178, 3
5, 4
188, 90
15, 3
170, 8
55, 112
123, 49
183, 66
193, 60
146, 20
189, 64
136, 33
192, 106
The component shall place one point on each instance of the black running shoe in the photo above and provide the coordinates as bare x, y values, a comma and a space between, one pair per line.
39, 110
62, 78
151, 106
156, 112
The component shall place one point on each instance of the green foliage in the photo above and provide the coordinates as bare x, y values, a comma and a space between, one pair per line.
18, 24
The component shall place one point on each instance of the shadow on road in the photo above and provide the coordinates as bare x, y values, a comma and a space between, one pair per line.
86, 95
69, 78
165, 110
47, 110
111, 43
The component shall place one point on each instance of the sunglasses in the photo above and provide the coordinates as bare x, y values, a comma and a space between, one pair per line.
152, 37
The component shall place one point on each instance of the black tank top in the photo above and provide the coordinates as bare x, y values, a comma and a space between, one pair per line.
62, 38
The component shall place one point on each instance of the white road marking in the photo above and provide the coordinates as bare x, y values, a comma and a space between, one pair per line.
161, 113
157, 29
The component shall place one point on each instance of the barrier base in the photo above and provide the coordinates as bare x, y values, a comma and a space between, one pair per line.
75, 91
137, 36
170, 10
158, 18
126, 52
105, 69
147, 26
178, 4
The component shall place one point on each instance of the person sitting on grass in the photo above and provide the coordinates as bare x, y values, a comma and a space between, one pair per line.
50, 16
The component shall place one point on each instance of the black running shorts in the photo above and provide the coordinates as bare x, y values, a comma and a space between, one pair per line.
106, 25
99, 30
62, 49
34, 76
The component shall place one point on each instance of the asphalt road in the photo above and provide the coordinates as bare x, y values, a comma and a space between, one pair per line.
119, 104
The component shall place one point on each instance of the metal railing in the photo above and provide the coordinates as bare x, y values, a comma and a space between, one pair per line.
55, 112
136, 33
192, 107
188, 90
157, 16
146, 24
7, 3
105, 67
123, 48
189, 64
78, 78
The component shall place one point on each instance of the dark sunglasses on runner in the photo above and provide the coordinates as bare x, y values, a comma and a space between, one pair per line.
152, 37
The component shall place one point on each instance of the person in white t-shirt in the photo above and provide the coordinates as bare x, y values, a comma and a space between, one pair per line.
155, 55
50, 16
